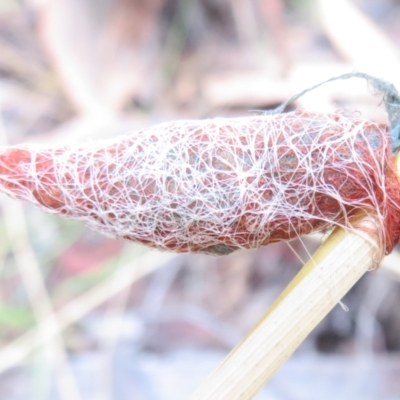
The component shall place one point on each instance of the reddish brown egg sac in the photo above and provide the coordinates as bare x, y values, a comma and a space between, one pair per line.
217, 185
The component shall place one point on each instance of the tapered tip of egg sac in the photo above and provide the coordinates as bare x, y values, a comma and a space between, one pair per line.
14, 167
24, 173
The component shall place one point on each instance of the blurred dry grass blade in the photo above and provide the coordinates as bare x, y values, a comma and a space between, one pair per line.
274, 16
359, 40
245, 20
101, 51
39, 298
62, 42
244, 89
16, 352
20, 65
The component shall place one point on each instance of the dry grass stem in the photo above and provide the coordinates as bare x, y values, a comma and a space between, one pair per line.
349, 29
318, 287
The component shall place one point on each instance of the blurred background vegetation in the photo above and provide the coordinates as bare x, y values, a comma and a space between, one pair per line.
76, 320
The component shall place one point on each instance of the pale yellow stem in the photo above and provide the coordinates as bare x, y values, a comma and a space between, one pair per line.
318, 287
